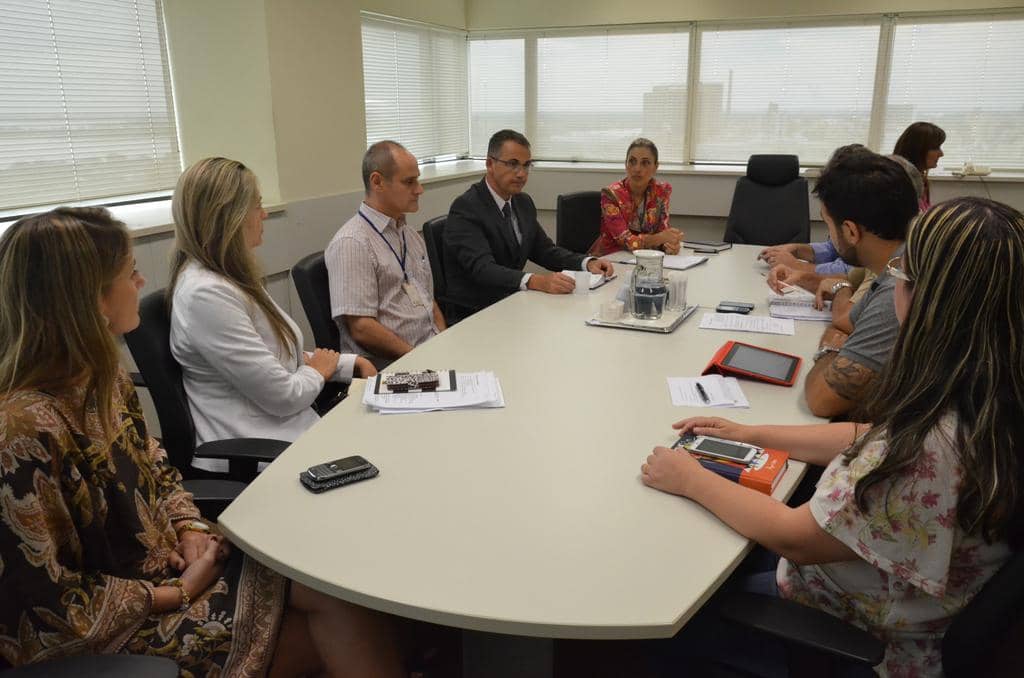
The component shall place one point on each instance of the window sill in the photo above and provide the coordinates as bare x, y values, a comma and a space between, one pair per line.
150, 218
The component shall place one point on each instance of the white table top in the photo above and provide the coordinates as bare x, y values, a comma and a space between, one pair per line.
532, 519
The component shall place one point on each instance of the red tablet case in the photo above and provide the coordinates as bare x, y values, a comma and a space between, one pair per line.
718, 366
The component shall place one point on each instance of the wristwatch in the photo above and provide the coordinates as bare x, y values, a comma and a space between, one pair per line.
194, 526
840, 285
825, 350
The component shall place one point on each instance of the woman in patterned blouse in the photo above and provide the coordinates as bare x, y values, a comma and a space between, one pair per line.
914, 513
101, 549
634, 211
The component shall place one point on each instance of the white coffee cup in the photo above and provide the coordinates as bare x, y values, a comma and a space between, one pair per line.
582, 282
611, 310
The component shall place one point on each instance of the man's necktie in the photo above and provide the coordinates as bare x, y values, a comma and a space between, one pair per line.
506, 212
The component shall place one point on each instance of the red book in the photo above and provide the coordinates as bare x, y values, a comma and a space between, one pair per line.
763, 473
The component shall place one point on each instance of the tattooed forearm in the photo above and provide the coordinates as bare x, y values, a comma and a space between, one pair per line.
849, 379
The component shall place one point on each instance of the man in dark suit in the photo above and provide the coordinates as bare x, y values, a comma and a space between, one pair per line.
492, 230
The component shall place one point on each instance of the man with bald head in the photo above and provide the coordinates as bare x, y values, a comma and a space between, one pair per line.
382, 290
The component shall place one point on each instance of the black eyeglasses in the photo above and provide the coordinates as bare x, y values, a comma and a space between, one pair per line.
514, 165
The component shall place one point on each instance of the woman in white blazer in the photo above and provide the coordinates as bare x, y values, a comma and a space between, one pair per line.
241, 357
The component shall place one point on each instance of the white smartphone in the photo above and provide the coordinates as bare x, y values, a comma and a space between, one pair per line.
729, 450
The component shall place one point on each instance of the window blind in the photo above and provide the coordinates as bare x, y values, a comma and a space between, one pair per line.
794, 89
596, 93
966, 75
415, 87
497, 90
86, 109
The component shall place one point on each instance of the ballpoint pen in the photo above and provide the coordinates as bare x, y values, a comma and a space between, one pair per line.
703, 394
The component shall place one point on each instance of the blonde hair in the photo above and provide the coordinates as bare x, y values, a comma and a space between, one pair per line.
54, 268
960, 350
211, 203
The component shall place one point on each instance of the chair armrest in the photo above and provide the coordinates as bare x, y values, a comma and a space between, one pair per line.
137, 380
803, 626
210, 496
251, 449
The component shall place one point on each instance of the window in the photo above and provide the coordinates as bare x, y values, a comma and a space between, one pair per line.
596, 93
415, 87
86, 110
965, 75
795, 89
497, 89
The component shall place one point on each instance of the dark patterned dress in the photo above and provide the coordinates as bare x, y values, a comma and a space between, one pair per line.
85, 532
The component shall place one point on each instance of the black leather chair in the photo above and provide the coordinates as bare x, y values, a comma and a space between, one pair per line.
578, 220
314, 290
433, 236
983, 640
98, 666
770, 205
151, 348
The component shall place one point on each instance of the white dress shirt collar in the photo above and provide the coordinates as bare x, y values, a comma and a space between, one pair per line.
497, 198
379, 220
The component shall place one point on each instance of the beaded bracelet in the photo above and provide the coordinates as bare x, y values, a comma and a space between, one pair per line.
186, 600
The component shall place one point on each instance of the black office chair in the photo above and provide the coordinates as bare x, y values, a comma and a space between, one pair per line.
151, 348
578, 220
98, 666
770, 205
433, 235
314, 289
983, 640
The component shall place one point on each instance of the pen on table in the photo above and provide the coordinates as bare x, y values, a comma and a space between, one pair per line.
703, 394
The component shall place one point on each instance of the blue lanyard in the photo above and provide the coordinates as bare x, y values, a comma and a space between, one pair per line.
405, 250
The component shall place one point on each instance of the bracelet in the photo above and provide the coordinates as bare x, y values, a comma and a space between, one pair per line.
840, 285
193, 526
186, 600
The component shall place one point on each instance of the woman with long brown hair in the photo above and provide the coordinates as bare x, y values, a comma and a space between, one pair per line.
921, 144
101, 549
241, 357
915, 512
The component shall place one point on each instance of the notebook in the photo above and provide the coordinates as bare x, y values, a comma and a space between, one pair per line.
797, 304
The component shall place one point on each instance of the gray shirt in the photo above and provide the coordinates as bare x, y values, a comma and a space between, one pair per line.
874, 325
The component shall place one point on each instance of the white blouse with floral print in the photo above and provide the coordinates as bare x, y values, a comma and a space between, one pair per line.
917, 567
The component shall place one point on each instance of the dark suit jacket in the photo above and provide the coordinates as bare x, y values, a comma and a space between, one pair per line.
483, 263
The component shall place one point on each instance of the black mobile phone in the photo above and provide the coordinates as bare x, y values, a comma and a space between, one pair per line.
338, 468
744, 304
725, 307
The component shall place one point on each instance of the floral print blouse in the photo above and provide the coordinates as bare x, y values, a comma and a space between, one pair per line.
86, 526
622, 225
917, 568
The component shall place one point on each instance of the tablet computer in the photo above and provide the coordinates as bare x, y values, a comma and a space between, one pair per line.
745, 360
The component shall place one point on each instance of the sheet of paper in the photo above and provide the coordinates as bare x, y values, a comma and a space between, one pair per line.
732, 322
596, 279
721, 391
676, 262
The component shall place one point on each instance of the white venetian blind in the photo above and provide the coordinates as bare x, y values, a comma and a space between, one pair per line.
596, 93
966, 75
794, 89
85, 101
496, 89
415, 87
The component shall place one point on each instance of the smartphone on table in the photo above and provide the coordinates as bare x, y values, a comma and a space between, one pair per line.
718, 448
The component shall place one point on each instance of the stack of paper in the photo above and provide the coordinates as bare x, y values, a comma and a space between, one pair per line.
596, 279
473, 390
721, 391
798, 304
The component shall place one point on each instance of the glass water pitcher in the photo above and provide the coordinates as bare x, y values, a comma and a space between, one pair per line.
647, 290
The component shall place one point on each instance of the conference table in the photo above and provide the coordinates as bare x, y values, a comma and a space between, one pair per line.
530, 520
